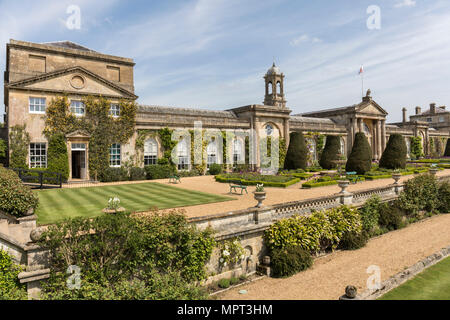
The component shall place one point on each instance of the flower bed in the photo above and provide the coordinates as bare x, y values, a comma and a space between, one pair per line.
252, 179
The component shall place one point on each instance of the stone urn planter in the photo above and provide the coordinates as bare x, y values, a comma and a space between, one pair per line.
260, 197
433, 171
343, 184
114, 211
396, 177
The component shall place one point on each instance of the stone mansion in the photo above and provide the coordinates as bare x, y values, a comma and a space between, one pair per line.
36, 73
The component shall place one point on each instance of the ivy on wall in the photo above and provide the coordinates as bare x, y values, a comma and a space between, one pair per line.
416, 147
3, 151
19, 141
103, 129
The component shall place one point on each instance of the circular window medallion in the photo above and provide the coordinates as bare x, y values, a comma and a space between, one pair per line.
77, 82
269, 129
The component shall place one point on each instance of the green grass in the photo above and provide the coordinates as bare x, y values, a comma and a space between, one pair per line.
431, 284
59, 204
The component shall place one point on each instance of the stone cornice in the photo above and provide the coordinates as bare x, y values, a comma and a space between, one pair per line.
69, 52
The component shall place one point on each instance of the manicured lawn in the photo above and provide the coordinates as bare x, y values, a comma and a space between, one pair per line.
59, 204
432, 284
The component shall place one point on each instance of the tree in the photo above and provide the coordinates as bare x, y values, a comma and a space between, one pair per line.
447, 149
330, 152
394, 156
360, 159
416, 147
58, 160
297, 152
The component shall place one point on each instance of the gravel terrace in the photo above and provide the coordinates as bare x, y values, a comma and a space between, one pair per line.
327, 279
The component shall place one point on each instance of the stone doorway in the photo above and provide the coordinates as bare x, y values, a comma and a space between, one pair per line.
78, 151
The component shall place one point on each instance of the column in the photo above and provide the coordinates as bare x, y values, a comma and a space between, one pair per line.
360, 125
379, 146
383, 134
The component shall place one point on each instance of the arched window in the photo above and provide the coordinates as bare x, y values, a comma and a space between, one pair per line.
269, 89
278, 87
342, 149
211, 151
237, 151
269, 130
183, 155
366, 129
150, 151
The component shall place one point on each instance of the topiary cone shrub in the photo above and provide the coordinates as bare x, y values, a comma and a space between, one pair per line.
330, 152
296, 157
394, 156
360, 159
447, 149
15, 198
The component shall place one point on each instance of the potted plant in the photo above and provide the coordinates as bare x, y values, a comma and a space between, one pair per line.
396, 175
259, 194
114, 206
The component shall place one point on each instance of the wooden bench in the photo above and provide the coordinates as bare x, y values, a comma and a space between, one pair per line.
174, 179
352, 176
234, 185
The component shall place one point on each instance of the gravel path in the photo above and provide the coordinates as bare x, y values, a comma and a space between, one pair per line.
327, 279
274, 195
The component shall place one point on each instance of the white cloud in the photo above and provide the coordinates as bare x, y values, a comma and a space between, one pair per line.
405, 3
302, 39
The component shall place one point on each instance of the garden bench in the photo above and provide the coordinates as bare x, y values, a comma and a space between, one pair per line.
234, 185
352, 177
174, 179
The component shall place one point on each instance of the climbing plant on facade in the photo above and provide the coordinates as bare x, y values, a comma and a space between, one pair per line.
103, 129
416, 147
19, 140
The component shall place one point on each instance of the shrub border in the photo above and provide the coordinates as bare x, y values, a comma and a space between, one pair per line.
221, 179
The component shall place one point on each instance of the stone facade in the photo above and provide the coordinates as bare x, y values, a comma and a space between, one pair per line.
36, 73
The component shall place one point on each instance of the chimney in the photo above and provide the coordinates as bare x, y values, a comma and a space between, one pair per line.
404, 115
418, 110
432, 108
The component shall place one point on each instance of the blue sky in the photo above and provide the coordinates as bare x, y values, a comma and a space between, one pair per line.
213, 54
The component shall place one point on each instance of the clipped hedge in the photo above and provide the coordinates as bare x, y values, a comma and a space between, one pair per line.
276, 184
15, 198
113, 174
319, 231
309, 185
288, 261
137, 174
156, 171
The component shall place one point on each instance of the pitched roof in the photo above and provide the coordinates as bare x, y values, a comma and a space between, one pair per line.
68, 45
187, 111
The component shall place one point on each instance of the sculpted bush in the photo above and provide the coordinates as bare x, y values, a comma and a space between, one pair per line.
330, 152
297, 153
360, 159
394, 156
